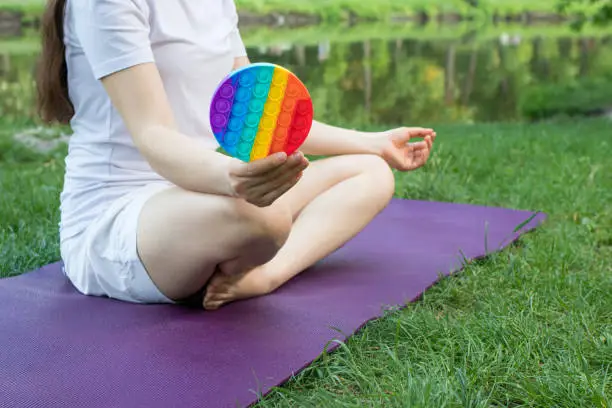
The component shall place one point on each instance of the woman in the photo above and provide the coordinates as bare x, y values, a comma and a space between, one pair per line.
150, 212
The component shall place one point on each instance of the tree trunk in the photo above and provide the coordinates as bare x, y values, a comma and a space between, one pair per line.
469, 79
300, 55
449, 82
584, 57
367, 72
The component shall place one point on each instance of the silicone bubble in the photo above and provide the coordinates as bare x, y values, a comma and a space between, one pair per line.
259, 110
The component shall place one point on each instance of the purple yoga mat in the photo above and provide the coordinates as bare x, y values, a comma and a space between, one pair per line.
61, 349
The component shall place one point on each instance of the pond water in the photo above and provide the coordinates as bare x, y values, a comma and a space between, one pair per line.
396, 81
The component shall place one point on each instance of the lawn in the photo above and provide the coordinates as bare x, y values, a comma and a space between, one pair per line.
529, 327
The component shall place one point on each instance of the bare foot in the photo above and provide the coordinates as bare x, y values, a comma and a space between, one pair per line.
227, 287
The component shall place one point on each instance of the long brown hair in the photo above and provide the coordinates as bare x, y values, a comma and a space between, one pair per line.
54, 105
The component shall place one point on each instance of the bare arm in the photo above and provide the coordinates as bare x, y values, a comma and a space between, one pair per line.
240, 62
139, 96
326, 140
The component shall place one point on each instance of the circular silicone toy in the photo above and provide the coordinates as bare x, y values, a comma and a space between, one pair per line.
259, 110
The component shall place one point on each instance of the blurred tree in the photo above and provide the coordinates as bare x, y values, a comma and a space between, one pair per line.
17, 89
596, 12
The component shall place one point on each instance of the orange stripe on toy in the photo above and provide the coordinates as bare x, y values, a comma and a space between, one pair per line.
302, 115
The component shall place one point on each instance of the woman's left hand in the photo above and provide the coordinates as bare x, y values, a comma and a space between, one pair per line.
396, 148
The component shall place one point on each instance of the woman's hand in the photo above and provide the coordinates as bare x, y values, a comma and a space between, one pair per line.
263, 181
396, 148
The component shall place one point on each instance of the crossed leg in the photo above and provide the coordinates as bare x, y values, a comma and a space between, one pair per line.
335, 199
186, 239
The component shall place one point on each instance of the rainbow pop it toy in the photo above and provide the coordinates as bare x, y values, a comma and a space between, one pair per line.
260, 110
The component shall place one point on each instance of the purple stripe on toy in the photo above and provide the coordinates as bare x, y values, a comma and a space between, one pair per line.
62, 349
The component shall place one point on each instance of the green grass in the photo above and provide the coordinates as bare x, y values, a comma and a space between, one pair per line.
528, 327
29, 186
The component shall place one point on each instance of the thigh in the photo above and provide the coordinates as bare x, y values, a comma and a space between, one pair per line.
183, 236
323, 174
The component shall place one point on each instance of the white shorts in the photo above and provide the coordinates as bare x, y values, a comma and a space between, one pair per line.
103, 260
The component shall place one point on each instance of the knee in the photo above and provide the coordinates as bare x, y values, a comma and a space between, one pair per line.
267, 227
274, 223
380, 175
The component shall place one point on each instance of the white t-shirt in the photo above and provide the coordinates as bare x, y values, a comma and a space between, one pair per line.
192, 42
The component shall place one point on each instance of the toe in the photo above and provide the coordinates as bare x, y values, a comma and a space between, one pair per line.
213, 304
208, 301
213, 287
218, 286
213, 296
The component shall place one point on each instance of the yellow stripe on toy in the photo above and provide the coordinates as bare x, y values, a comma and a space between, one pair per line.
272, 109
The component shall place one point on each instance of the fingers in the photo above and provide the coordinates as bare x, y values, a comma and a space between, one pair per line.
290, 177
261, 166
264, 189
426, 144
290, 168
418, 146
294, 164
415, 156
404, 135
